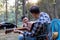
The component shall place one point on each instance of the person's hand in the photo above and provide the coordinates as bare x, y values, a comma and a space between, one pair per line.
55, 35
18, 31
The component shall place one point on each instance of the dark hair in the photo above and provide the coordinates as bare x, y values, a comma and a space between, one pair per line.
34, 9
23, 17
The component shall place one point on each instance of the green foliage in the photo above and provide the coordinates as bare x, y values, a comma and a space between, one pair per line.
45, 5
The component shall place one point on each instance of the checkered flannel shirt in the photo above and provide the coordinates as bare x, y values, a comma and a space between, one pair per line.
44, 17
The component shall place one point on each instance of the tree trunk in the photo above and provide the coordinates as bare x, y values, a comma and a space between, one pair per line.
16, 10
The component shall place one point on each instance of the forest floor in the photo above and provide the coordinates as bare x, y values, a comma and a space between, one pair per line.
10, 36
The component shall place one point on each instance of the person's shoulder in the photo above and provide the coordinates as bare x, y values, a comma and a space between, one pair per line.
43, 13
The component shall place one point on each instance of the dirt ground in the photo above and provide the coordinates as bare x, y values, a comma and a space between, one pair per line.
10, 36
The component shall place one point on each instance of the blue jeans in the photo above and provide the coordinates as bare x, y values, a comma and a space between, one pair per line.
21, 37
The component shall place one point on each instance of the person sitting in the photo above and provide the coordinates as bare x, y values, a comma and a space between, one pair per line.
41, 17
25, 21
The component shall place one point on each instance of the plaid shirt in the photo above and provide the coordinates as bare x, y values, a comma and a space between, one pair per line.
44, 17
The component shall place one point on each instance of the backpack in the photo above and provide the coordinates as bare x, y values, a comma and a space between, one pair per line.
55, 24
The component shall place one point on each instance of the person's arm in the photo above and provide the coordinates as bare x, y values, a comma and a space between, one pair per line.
23, 28
14, 30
